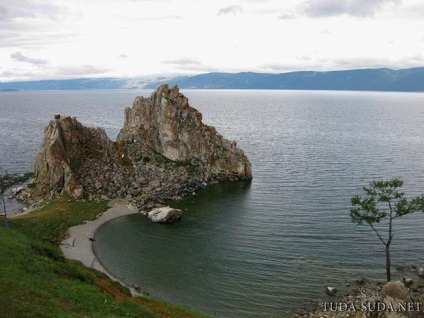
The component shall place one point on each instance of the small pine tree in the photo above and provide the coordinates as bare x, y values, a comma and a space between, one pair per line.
384, 201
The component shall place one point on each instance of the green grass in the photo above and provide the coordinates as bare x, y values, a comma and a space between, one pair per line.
171, 164
37, 281
53, 221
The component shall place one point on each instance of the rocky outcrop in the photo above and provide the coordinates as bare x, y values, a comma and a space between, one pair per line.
166, 124
163, 151
68, 146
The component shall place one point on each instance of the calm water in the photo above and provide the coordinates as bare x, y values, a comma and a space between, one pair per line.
264, 248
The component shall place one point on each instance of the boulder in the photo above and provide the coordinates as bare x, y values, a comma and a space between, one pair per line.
331, 291
154, 184
17, 190
78, 192
395, 295
98, 185
164, 214
421, 271
408, 281
396, 290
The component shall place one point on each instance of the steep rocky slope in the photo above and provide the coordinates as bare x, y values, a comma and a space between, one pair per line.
165, 123
163, 151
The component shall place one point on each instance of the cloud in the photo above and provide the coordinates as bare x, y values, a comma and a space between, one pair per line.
126, 17
3, 13
417, 58
33, 39
330, 8
182, 61
282, 67
230, 9
123, 56
168, 17
257, 1
26, 9
27, 23
13, 74
19, 57
200, 69
414, 11
149, 0
286, 16
53, 72
378, 62
80, 70
190, 65
311, 63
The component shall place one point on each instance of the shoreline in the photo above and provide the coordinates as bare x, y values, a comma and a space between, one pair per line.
79, 245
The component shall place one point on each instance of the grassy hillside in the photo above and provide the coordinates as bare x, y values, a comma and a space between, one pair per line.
37, 281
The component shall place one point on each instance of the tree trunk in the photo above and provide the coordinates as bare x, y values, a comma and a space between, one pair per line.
388, 272
5, 213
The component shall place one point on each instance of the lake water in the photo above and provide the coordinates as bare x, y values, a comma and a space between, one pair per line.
266, 247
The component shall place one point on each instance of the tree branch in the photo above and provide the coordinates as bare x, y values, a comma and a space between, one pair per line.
378, 234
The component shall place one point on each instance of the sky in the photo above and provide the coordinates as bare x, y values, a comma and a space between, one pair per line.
149, 38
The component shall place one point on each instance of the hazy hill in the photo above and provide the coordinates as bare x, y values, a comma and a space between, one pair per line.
410, 80
406, 80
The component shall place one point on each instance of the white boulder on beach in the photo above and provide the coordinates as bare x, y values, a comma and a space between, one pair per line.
164, 214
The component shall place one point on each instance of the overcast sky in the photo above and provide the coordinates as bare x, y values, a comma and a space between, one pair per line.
142, 38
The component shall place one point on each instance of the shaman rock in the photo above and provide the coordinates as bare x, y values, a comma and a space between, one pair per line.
163, 151
166, 124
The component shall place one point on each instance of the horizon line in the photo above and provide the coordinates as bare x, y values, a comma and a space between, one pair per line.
156, 77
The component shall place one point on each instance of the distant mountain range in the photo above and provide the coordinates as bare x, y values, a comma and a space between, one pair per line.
405, 80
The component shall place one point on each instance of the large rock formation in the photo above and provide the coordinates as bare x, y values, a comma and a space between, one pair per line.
67, 146
166, 124
163, 151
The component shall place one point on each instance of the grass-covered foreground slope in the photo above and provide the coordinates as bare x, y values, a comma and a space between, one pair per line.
37, 281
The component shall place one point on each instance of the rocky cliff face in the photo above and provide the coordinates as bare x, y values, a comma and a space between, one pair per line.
165, 123
67, 146
163, 151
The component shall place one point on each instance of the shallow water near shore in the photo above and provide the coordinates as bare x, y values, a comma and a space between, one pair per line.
266, 247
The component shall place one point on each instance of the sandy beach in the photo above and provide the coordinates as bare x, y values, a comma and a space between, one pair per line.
78, 245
